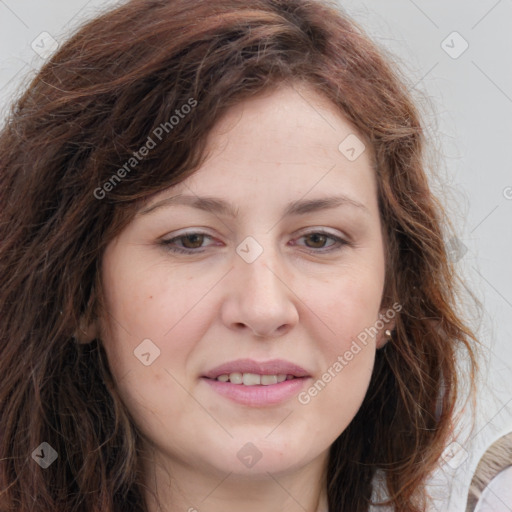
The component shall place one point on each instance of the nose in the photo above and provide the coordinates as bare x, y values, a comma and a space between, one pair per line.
259, 297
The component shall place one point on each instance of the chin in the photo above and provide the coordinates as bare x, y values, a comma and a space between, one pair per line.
273, 463
256, 456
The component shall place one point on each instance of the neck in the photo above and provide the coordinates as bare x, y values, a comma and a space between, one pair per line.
172, 486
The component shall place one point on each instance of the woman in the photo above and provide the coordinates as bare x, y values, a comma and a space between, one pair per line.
225, 280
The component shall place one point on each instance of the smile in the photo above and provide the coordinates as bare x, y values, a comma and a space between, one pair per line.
258, 395
253, 379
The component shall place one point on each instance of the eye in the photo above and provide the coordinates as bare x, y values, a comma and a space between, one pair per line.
191, 242
319, 238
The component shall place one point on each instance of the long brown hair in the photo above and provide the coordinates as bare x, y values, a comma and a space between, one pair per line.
63, 198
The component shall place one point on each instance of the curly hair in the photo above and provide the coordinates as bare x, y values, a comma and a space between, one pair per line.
93, 104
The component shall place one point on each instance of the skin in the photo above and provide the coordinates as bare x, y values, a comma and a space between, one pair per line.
296, 301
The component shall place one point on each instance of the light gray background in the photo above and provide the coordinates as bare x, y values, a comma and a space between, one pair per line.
469, 119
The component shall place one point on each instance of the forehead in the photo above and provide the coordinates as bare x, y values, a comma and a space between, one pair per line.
282, 144
288, 119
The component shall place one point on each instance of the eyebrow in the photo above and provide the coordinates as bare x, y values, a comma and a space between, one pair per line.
219, 206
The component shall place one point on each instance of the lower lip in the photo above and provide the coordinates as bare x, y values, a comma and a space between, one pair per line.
258, 395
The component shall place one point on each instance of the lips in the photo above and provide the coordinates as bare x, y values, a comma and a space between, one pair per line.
257, 384
249, 366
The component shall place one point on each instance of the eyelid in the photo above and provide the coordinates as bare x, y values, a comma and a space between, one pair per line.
317, 229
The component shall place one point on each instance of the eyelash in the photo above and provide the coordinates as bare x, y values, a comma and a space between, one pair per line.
340, 242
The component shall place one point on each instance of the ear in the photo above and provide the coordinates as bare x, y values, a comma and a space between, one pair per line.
86, 332
386, 333
384, 336
88, 329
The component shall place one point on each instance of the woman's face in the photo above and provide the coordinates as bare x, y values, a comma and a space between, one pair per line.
278, 281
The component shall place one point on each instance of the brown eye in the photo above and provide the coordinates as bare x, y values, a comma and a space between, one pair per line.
318, 240
193, 241
187, 243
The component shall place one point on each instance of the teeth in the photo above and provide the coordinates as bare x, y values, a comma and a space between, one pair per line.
236, 378
268, 379
253, 379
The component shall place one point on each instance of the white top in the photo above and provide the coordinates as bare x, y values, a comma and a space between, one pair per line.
497, 496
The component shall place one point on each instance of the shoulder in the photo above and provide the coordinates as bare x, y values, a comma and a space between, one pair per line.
497, 494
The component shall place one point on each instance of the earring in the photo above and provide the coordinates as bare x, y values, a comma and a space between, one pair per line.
388, 334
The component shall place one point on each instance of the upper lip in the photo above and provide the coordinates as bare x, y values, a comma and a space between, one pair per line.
270, 367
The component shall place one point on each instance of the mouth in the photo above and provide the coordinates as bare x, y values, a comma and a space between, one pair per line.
252, 373
253, 383
254, 379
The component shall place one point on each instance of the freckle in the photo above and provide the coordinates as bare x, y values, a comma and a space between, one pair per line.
151, 296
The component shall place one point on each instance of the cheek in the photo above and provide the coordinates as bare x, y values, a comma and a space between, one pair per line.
348, 309
348, 357
150, 331
154, 318
348, 305
148, 299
